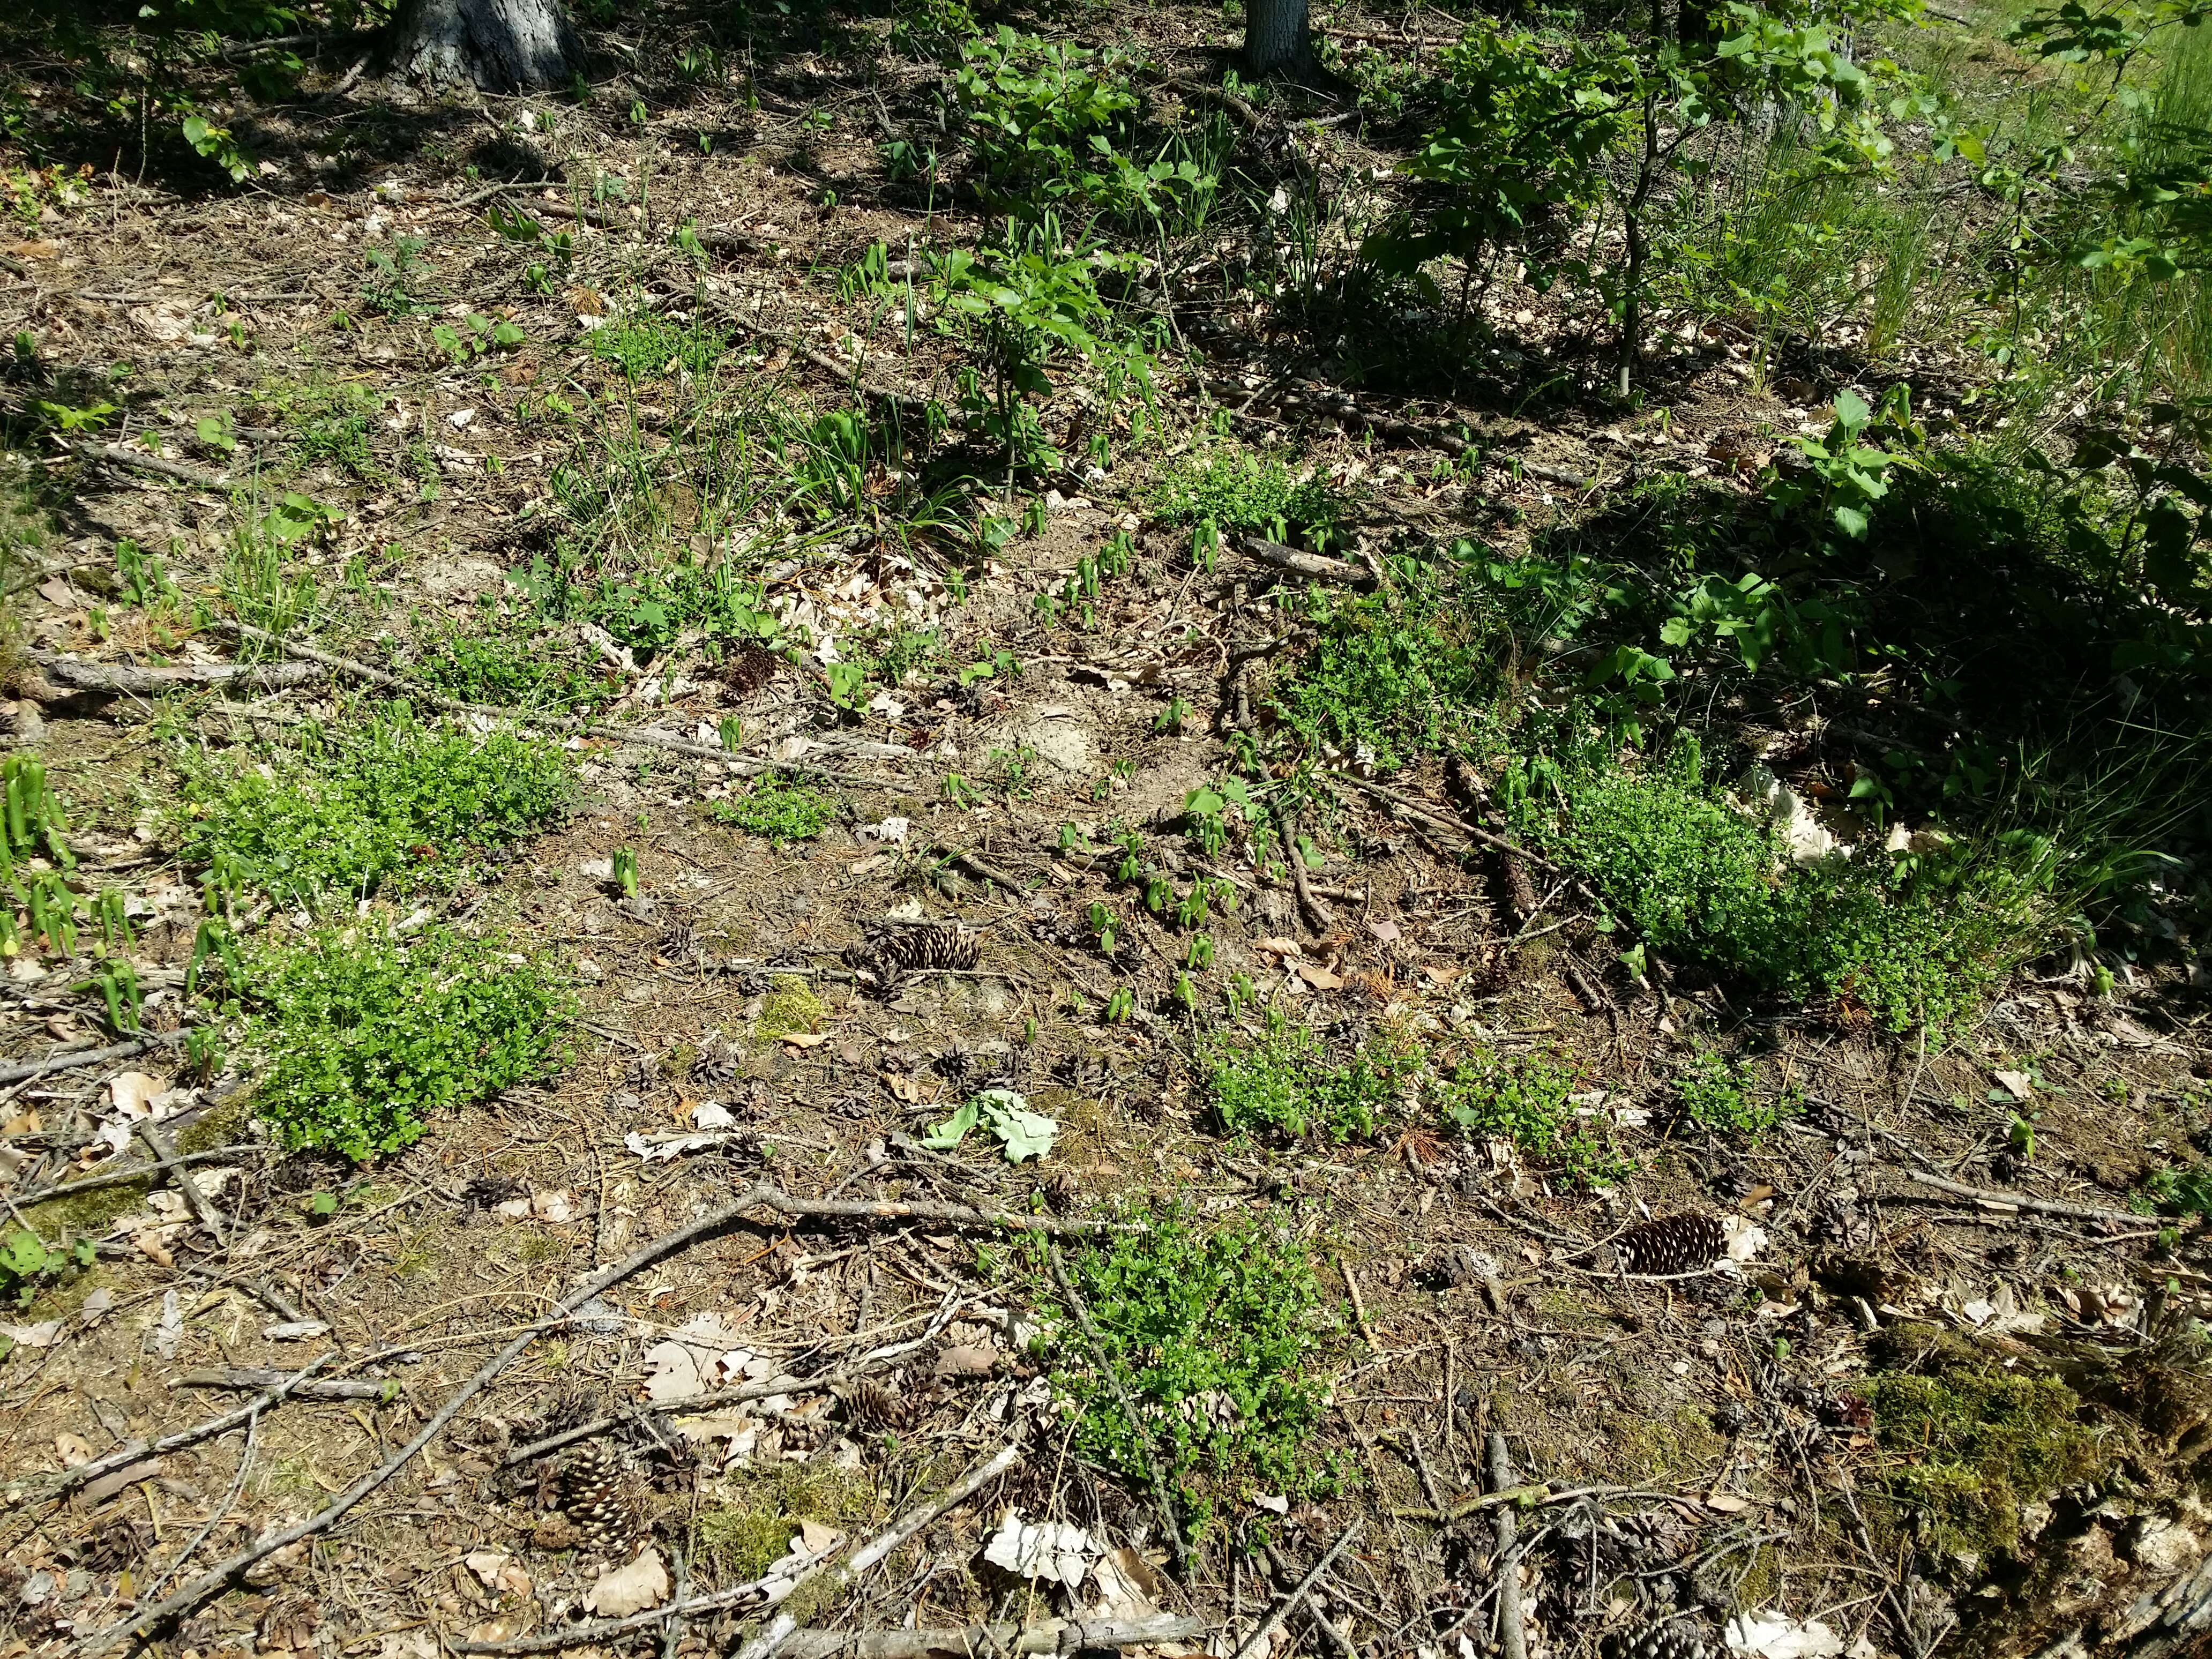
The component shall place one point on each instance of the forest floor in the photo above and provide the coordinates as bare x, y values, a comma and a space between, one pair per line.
1701, 1444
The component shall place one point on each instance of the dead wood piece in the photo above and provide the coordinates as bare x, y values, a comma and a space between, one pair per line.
1212, 95
128, 680
644, 736
39, 1489
1053, 1636
1163, 1501
1496, 843
69, 1059
116, 455
158, 1144
2000, 1201
1318, 565
975, 867
133, 1172
1259, 1640
762, 1196
1286, 1577
1592, 997
1513, 1637
261, 1376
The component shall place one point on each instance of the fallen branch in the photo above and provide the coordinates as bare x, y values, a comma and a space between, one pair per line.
1162, 1500
133, 1172
1053, 1636
132, 1451
1513, 1639
158, 1145
116, 455
849, 373
975, 867
1258, 1641
127, 680
219, 1577
1996, 1200
646, 735
68, 1059
1212, 95
1318, 566
1414, 809
1531, 1497
776, 1586
260, 1376
1317, 915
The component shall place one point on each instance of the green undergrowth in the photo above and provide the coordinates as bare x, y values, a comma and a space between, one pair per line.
750, 1529
643, 346
778, 811
361, 805
1236, 489
1394, 674
1281, 1083
1217, 1336
1970, 1443
368, 1038
1698, 880
1722, 1096
506, 666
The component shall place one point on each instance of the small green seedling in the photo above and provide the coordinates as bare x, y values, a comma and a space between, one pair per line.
625, 863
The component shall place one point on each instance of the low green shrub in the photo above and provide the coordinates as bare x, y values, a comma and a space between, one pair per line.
1217, 1337
368, 1038
1283, 1083
506, 669
644, 346
1717, 1094
1527, 1099
357, 807
778, 810
1236, 489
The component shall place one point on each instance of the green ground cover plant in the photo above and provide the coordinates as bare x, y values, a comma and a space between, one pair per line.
780, 810
357, 807
1217, 1335
1280, 1082
368, 1038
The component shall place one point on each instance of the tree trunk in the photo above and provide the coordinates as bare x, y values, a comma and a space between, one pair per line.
1275, 37
501, 45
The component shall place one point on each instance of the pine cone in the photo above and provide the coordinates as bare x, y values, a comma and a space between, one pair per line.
643, 1074
918, 947
717, 1063
595, 1497
1671, 1638
870, 1404
1671, 1244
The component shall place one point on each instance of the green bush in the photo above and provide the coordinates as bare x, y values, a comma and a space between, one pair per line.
644, 346
507, 670
368, 1038
1716, 1095
1283, 1083
1236, 489
1527, 1099
355, 808
1397, 674
1216, 1336
780, 812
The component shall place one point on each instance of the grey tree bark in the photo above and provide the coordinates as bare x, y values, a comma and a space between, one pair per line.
1276, 37
501, 45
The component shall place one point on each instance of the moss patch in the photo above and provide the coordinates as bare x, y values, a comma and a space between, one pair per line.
791, 1007
745, 1532
1972, 1443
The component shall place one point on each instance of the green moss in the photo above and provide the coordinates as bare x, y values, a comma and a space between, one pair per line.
1973, 1442
789, 1007
745, 1533
1664, 1449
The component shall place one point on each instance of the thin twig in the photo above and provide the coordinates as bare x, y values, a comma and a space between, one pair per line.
1258, 1640
2022, 1202
1513, 1639
158, 1144
1053, 1636
69, 1059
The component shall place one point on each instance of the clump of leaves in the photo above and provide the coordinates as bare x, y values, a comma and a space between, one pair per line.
644, 346
1025, 1134
28, 1265
1396, 674
1216, 1336
778, 811
1528, 1099
354, 808
501, 667
1282, 1083
369, 1037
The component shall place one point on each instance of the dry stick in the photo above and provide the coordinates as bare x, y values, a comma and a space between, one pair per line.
132, 1451
1316, 914
1318, 566
69, 1060
1538, 1493
134, 1172
124, 679
1513, 1638
1473, 832
757, 1197
158, 1144
1258, 1640
975, 867
644, 736
256, 1376
1281, 1569
114, 455
574, 1636
1055, 1636
1161, 1499
1359, 1307
2021, 1202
